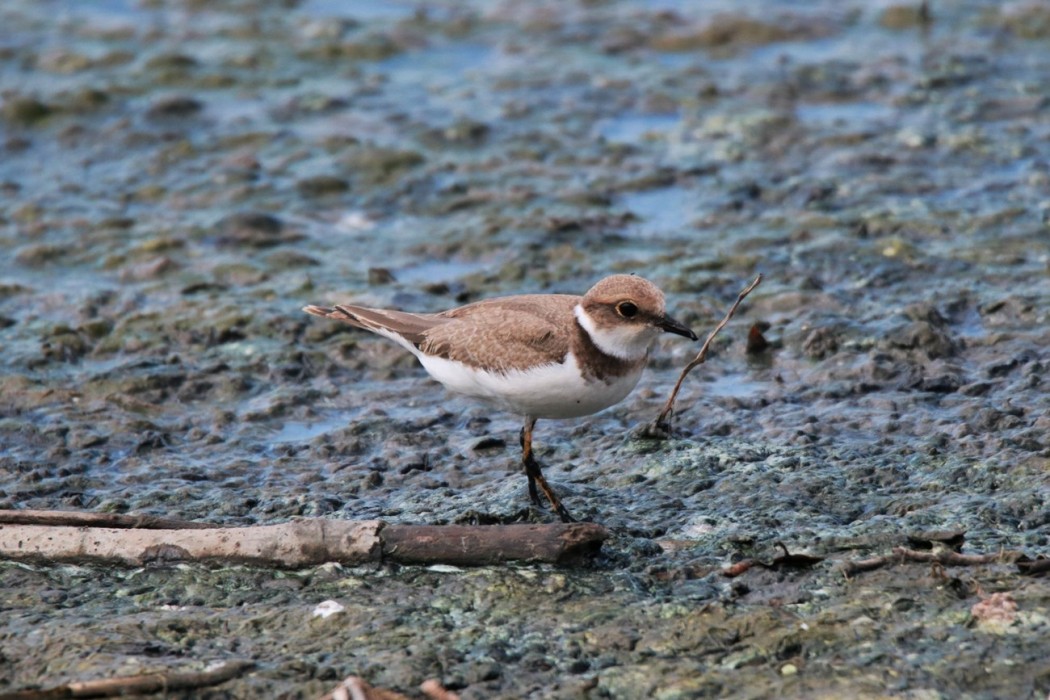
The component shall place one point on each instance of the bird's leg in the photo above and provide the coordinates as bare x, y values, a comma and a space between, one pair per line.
535, 476
525, 438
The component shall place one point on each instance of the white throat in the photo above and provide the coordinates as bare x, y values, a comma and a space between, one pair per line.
626, 341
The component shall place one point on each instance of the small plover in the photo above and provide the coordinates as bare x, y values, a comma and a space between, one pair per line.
537, 355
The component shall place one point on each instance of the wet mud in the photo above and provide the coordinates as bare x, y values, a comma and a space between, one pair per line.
178, 179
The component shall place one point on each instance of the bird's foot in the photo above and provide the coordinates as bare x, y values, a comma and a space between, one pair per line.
564, 514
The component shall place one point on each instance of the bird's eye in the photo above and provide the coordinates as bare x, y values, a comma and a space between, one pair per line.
627, 309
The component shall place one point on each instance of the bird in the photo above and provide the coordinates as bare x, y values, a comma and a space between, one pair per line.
541, 356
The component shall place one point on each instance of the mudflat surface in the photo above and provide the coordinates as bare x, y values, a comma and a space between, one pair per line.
178, 179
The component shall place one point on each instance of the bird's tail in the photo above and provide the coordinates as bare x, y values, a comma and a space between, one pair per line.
402, 327
337, 313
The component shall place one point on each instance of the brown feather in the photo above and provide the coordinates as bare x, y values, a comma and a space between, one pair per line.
503, 341
511, 333
412, 327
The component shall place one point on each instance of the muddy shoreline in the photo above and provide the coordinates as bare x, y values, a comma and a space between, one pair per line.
178, 179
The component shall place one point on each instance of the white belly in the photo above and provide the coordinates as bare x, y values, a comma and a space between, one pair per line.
550, 391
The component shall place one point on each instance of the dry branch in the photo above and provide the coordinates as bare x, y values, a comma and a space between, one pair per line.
944, 557
1030, 567
857, 566
662, 426
300, 543
739, 568
491, 544
950, 558
293, 544
78, 518
142, 684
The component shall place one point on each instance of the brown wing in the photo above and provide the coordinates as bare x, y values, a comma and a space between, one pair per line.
501, 334
392, 324
502, 339
553, 308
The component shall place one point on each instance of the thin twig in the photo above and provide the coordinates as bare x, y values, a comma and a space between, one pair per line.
80, 519
856, 566
142, 684
950, 558
944, 557
661, 423
739, 568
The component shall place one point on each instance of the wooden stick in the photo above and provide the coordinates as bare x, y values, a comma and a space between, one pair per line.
950, 558
471, 546
661, 424
849, 568
739, 568
293, 544
944, 557
1036, 567
142, 684
306, 542
79, 518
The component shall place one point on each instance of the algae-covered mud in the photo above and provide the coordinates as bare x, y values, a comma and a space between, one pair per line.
177, 179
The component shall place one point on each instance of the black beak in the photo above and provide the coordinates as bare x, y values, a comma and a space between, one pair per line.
672, 326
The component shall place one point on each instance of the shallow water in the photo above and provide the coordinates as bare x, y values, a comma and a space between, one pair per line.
178, 180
